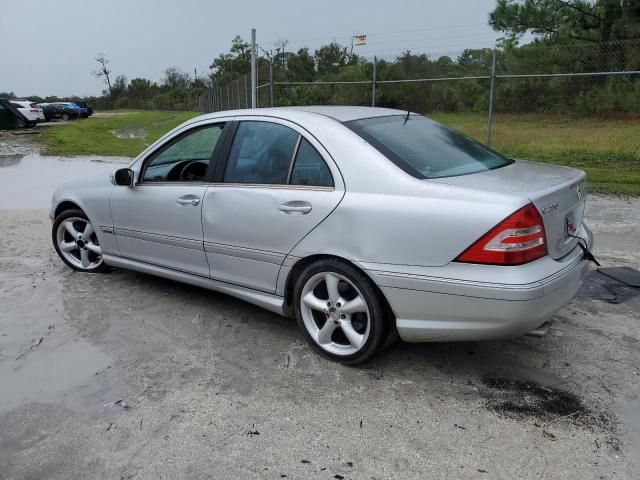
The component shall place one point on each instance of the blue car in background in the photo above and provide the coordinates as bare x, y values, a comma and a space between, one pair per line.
82, 113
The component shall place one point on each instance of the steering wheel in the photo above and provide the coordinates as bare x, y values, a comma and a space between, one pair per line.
194, 170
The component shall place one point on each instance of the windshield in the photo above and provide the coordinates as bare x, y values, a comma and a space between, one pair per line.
426, 149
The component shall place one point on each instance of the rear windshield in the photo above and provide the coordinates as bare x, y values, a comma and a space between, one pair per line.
426, 149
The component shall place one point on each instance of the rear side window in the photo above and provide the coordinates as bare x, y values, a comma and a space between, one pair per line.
309, 167
261, 153
426, 149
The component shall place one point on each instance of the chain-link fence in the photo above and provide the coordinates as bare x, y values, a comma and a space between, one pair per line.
565, 104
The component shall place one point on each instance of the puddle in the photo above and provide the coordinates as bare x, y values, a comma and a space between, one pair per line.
28, 181
132, 132
59, 374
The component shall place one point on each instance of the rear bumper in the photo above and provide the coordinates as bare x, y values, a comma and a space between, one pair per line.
480, 302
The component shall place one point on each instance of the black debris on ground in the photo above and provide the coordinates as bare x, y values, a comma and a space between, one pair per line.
600, 286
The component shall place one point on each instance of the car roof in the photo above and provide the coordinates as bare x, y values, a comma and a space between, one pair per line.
338, 113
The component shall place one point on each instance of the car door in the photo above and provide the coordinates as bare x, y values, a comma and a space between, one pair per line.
159, 219
273, 189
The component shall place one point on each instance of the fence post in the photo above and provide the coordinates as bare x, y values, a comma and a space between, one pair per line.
492, 86
373, 83
253, 68
271, 82
246, 96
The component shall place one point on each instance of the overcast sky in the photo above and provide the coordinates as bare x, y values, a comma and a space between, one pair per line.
48, 46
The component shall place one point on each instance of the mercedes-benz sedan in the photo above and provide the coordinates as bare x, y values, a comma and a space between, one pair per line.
362, 223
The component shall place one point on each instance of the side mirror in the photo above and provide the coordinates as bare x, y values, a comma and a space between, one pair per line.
124, 177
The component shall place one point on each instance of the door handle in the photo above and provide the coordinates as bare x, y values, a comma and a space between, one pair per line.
188, 200
295, 207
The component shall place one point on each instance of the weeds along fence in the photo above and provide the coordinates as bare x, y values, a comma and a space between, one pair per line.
574, 100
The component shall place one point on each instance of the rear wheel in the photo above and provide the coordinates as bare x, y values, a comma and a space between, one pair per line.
76, 242
64, 116
339, 311
21, 122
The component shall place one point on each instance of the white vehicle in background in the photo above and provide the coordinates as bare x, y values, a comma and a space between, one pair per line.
32, 113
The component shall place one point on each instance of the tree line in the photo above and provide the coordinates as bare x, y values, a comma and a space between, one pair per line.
571, 36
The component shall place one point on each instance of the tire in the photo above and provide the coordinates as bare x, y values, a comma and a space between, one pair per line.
20, 122
64, 117
78, 250
347, 325
31, 124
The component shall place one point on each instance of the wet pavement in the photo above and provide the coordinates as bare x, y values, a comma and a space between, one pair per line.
211, 387
28, 179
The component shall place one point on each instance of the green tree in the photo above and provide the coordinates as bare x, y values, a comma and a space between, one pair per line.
231, 66
119, 86
176, 79
302, 65
557, 20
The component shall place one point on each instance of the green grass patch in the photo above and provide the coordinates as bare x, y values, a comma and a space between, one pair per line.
95, 135
607, 149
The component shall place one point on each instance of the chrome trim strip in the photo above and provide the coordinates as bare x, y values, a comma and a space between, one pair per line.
271, 302
191, 184
159, 238
277, 186
243, 252
470, 283
106, 229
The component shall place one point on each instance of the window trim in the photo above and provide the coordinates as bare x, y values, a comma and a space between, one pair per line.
215, 155
218, 179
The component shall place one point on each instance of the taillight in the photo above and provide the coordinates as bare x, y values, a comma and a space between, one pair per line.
34, 110
518, 239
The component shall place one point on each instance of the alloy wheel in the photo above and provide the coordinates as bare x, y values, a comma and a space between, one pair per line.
79, 244
335, 313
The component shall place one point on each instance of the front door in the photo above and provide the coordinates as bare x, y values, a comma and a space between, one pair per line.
276, 187
159, 219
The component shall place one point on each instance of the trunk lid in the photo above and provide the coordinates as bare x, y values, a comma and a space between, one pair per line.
559, 194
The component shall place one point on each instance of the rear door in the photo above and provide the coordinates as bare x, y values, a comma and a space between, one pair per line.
277, 184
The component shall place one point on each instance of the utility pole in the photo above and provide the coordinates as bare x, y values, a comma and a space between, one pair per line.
373, 82
492, 86
271, 81
254, 71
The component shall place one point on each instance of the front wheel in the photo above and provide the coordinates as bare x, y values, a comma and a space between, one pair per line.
64, 117
76, 243
339, 311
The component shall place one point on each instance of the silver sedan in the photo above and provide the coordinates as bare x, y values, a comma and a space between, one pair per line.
362, 223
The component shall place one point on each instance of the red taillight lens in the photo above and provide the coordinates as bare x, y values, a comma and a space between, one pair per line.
518, 239
34, 110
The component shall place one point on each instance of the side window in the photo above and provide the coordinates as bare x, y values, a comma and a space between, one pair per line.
309, 168
185, 160
261, 153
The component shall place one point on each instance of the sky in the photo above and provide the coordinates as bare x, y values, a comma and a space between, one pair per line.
48, 46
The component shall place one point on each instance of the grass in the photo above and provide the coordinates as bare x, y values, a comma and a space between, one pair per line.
607, 149
95, 136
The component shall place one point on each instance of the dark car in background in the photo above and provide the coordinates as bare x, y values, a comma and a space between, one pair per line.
60, 111
87, 110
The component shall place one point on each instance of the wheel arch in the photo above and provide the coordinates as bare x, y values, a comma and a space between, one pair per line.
66, 205
301, 264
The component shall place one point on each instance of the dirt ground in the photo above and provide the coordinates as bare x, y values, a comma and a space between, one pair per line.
124, 375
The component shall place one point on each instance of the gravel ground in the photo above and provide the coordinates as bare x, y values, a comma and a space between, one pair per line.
124, 375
